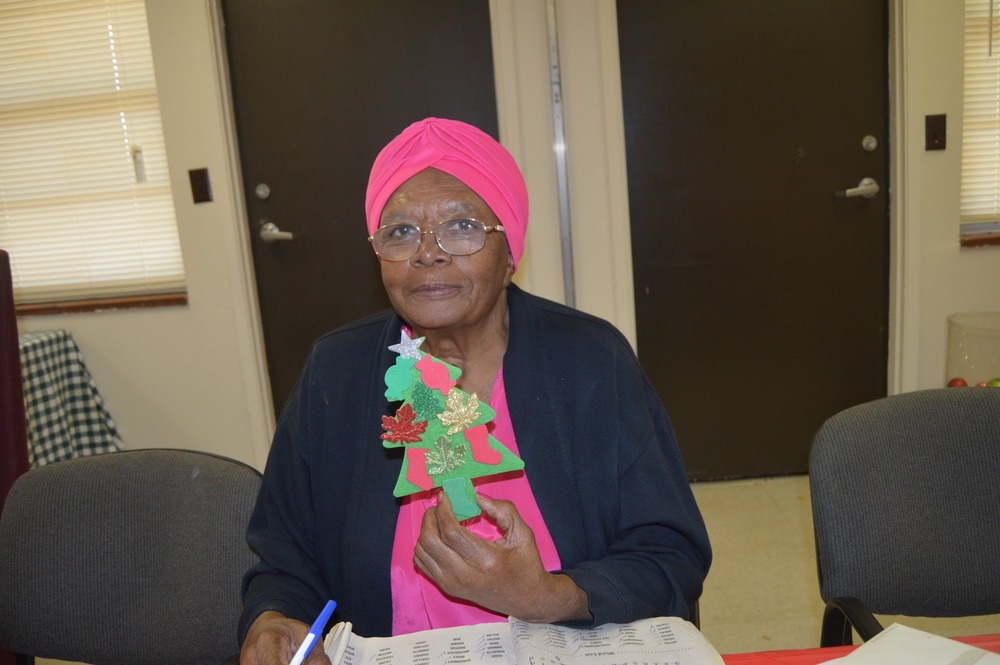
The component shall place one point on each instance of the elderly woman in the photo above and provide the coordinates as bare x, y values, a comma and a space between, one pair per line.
600, 526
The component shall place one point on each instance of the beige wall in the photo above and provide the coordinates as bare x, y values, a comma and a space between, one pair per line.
194, 376
187, 377
934, 277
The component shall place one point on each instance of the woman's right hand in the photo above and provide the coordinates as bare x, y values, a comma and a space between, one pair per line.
273, 639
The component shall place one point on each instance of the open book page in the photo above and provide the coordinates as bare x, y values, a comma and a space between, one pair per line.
899, 645
660, 641
485, 643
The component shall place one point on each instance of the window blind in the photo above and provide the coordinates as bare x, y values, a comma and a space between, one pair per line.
85, 204
981, 115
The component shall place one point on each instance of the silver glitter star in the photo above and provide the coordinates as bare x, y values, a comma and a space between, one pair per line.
407, 347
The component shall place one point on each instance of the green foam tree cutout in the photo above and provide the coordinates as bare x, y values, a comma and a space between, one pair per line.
443, 430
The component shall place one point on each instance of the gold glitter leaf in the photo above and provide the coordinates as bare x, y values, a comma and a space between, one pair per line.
458, 414
445, 457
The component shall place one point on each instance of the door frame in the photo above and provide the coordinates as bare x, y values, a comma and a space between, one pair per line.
595, 152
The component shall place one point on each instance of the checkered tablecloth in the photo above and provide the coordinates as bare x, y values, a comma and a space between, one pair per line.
65, 414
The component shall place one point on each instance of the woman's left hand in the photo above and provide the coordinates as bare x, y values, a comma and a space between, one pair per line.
505, 575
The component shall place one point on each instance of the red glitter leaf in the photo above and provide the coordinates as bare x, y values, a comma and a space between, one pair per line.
402, 429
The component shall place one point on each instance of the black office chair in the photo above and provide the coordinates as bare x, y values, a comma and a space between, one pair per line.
13, 431
906, 509
130, 558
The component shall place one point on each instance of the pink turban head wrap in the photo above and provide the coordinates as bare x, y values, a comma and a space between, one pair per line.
464, 152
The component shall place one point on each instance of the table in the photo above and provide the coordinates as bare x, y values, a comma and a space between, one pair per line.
66, 416
815, 656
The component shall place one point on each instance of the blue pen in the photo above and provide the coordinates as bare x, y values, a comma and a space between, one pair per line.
313, 634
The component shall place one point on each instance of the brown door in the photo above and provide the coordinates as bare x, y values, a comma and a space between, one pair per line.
319, 86
761, 296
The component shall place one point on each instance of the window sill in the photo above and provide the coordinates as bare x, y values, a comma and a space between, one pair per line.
979, 234
987, 240
98, 305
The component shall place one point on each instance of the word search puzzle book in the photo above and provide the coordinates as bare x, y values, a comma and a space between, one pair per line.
657, 641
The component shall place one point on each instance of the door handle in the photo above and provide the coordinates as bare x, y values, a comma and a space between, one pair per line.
867, 188
269, 232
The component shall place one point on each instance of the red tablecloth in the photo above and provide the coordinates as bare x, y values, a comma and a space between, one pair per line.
814, 656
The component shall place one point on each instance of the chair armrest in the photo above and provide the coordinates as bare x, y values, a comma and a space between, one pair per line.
694, 615
841, 616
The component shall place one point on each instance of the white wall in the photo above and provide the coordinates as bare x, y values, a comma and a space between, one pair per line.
594, 144
194, 377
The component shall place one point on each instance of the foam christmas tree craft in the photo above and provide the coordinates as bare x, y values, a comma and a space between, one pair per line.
443, 429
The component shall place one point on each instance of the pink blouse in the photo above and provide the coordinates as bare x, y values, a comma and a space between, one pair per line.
418, 603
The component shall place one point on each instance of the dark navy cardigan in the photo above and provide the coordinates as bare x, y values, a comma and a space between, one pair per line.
599, 452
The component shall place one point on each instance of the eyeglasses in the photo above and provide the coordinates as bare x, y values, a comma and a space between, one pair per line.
458, 237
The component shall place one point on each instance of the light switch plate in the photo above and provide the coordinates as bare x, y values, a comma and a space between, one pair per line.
201, 186
935, 132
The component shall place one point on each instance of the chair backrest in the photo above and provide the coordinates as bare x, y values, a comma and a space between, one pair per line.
13, 432
906, 503
130, 558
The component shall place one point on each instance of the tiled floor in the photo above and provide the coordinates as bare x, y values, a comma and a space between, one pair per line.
762, 592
